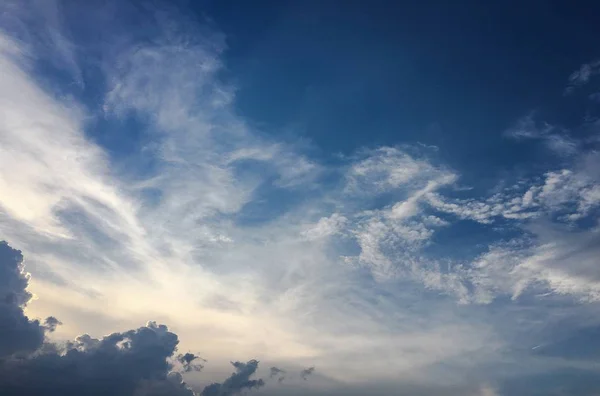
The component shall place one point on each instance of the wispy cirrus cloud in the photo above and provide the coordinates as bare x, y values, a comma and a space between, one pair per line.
583, 75
555, 138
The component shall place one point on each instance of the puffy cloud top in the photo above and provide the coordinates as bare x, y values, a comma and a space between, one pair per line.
137, 362
17, 332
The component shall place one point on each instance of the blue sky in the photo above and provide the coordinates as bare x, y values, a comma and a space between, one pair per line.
339, 197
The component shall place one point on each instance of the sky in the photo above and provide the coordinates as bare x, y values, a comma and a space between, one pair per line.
271, 198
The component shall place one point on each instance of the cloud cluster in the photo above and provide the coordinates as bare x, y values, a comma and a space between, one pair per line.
189, 362
306, 372
133, 362
129, 363
277, 372
17, 332
137, 362
237, 382
552, 215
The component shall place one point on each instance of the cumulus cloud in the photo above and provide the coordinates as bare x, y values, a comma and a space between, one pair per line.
51, 323
134, 362
189, 361
117, 364
137, 362
237, 382
17, 333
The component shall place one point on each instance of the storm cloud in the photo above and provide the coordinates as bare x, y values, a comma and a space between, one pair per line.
237, 382
138, 362
189, 362
17, 332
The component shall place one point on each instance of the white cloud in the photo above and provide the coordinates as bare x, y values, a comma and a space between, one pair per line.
326, 226
569, 193
585, 73
389, 168
556, 260
119, 248
556, 139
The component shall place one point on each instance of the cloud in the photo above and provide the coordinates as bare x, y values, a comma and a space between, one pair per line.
306, 372
326, 226
40, 26
277, 372
51, 323
187, 361
584, 74
108, 233
237, 382
84, 365
135, 362
99, 229
17, 332
392, 239
556, 139
116, 364
388, 168
204, 222
129, 363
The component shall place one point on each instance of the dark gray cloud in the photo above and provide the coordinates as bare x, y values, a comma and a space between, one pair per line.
51, 323
277, 372
190, 362
17, 332
306, 372
137, 362
237, 382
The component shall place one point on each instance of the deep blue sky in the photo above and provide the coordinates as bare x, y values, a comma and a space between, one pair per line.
346, 74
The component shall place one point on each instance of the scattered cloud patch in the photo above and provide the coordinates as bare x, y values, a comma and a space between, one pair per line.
306, 372
278, 373
238, 382
18, 333
556, 139
189, 361
583, 75
135, 362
